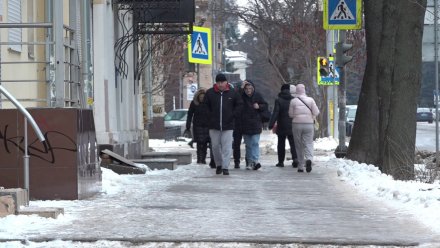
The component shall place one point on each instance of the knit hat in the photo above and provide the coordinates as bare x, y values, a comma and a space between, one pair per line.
220, 78
285, 87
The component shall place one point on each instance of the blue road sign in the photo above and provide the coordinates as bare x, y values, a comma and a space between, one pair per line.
342, 14
199, 46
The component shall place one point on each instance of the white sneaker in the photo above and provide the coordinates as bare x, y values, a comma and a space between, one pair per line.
250, 166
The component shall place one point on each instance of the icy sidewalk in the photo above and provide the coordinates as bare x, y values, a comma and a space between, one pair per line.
192, 204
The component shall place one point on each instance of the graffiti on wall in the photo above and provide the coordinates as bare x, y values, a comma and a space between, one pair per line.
44, 151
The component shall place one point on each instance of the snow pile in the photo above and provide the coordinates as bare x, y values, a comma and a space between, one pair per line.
420, 199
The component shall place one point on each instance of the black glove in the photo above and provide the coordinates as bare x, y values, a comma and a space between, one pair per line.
187, 133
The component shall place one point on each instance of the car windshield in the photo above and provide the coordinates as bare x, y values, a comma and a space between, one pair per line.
351, 113
175, 115
423, 110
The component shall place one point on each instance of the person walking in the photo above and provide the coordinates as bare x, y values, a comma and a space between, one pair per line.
251, 124
280, 116
197, 113
237, 135
224, 105
303, 110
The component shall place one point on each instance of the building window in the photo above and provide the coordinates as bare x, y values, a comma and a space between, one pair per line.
31, 31
14, 16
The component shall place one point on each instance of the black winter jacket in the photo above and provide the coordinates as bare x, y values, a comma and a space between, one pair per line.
223, 107
281, 114
250, 118
197, 113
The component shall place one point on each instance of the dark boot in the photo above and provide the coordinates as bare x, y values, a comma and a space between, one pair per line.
199, 153
218, 170
203, 150
237, 165
308, 165
280, 164
295, 163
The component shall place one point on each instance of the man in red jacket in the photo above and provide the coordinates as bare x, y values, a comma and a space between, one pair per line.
224, 106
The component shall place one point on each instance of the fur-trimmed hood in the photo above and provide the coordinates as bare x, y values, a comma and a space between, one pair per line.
197, 94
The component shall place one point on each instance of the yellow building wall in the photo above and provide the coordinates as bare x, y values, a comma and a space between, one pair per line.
24, 91
29, 94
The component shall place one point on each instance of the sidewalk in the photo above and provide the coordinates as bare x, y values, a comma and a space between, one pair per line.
272, 205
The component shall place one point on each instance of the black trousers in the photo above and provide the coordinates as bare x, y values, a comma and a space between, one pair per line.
282, 147
236, 146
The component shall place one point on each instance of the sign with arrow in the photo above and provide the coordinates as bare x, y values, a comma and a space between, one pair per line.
342, 14
199, 46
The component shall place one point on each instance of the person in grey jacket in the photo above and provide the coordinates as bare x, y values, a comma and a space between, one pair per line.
303, 110
224, 105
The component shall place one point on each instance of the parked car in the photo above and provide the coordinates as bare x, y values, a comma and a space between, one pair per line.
424, 114
350, 115
433, 113
176, 118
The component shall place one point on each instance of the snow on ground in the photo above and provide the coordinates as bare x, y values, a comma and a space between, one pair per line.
420, 199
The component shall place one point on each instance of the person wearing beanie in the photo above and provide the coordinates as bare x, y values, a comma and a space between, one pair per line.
303, 110
237, 134
224, 105
280, 117
220, 78
254, 107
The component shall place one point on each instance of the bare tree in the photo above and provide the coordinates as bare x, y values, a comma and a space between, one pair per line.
289, 36
385, 129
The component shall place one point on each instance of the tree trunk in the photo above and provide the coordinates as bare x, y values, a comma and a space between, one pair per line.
385, 132
365, 136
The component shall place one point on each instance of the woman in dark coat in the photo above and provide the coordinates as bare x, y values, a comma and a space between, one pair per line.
198, 114
251, 124
280, 115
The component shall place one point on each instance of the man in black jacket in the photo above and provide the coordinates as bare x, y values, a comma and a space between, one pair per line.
224, 106
280, 115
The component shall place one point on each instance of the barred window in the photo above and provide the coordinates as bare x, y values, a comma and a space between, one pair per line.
14, 16
31, 31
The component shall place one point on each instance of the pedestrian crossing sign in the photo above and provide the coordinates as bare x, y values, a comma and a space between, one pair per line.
199, 46
332, 73
342, 14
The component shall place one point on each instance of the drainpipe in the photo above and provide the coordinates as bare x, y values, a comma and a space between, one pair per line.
86, 52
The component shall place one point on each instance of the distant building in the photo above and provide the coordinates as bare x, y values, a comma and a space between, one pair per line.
238, 61
428, 34
428, 65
